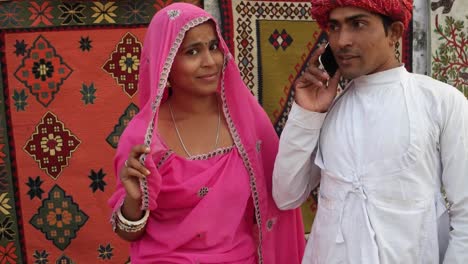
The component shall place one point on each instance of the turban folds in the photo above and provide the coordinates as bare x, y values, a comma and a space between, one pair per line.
397, 10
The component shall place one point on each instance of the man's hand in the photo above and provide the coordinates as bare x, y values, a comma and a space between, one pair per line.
312, 91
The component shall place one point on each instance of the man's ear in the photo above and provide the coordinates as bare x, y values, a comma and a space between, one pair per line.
396, 31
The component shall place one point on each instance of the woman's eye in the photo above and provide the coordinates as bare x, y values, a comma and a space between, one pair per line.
192, 52
214, 46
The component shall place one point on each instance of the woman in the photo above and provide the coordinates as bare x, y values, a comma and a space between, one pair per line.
203, 194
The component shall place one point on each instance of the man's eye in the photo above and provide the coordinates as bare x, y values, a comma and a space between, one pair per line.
332, 27
358, 24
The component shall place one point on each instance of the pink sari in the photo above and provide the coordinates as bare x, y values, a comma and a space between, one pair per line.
222, 189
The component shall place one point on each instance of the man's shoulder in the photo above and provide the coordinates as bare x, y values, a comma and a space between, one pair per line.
435, 87
437, 94
427, 80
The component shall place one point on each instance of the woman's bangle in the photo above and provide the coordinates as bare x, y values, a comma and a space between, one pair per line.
131, 226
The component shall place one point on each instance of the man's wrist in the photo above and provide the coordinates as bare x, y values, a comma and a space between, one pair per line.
306, 118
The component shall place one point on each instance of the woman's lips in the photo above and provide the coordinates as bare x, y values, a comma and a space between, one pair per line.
209, 77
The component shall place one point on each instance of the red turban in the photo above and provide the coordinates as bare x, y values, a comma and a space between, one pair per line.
397, 10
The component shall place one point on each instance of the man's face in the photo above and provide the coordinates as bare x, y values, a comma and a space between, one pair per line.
359, 43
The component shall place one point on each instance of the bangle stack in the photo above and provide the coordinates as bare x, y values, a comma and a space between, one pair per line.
131, 226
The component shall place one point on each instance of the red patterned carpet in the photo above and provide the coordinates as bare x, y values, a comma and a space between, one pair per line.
69, 76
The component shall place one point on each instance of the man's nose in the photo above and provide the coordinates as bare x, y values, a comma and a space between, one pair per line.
345, 38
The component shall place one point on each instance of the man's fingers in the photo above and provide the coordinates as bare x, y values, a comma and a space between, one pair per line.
334, 81
314, 59
314, 79
312, 74
336, 78
318, 74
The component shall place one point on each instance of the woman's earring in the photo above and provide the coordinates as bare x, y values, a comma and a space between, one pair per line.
169, 88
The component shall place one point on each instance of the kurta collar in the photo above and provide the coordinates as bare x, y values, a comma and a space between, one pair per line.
384, 77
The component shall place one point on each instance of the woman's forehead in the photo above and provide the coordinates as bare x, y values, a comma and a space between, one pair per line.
203, 32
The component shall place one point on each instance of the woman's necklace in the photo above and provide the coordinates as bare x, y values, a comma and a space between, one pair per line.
178, 133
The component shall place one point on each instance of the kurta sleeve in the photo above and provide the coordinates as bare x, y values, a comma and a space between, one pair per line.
295, 173
454, 158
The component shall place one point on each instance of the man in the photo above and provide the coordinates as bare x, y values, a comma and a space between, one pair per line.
382, 151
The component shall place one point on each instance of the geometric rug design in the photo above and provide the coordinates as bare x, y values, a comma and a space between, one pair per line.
59, 218
271, 42
43, 71
449, 43
69, 74
129, 113
51, 145
124, 63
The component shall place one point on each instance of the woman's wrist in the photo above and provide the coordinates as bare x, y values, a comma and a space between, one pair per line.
130, 226
130, 218
130, 209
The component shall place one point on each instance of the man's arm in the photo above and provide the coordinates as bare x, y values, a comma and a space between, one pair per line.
454, 157
295, 173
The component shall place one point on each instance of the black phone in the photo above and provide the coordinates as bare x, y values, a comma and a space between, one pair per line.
328, 61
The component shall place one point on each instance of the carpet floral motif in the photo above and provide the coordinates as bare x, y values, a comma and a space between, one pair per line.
51, 145
59, 218
43, 71
124, 63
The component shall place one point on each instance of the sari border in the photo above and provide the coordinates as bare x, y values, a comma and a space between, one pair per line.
247, 163
211, 154
164, 158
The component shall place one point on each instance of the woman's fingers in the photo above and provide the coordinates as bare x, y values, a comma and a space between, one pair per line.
133, 161
131, 172
138, 150
134, 164
133, 169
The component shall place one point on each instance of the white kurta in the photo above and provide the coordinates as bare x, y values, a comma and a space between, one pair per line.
383, 151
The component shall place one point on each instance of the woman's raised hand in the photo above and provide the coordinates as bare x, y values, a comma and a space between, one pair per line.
133, 170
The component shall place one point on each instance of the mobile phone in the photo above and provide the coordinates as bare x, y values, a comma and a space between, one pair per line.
328, 61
